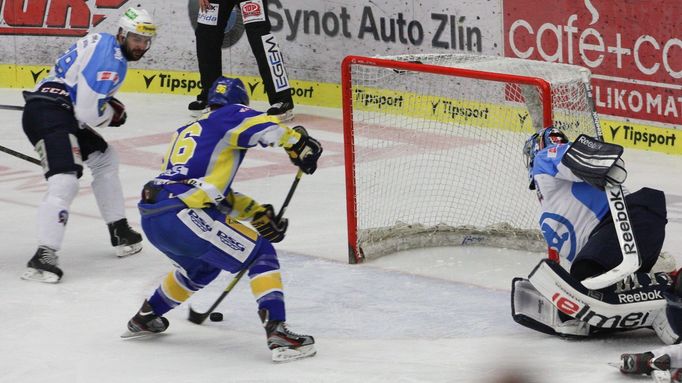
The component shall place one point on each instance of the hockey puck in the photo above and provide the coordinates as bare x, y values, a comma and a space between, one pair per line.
216, 317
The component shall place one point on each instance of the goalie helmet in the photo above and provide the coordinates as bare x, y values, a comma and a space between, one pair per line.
226, 91
544, 138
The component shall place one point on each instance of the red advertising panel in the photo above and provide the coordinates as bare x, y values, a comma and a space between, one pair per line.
632, 47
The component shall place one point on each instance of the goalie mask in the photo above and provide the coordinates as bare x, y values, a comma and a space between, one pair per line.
135, 32
226, 91
544, 138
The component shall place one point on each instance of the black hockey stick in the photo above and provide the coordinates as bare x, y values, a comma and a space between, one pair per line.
199, 318
11, 107
632, 259
19, 155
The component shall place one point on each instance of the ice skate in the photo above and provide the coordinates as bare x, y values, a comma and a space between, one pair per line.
197, 107
43, 267
283, 110
145, 323
643, 363
126, 240
286, 345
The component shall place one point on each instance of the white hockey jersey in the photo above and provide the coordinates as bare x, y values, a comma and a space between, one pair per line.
93, 69
570, 207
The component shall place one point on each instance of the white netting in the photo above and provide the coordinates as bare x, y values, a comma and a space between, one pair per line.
438, 158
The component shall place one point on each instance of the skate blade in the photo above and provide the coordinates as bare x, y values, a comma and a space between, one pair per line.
284, 354
140, 334
286, 116
127, 250
198, 113
40, 276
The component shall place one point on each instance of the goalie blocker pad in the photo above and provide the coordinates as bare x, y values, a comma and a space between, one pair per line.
591, 159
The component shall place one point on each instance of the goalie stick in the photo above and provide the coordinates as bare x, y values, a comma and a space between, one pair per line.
199, 318
621, 218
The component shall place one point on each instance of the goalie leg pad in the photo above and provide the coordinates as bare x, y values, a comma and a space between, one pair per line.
532, 310
627, 305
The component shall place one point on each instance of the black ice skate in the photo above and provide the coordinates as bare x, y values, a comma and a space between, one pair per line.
145, 322
643, 363
283, 110
126, 240
286, 346
43, 267
198, 107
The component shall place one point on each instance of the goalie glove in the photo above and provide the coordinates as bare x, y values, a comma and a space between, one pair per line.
120, 115
265, 221
305, 152
595, 162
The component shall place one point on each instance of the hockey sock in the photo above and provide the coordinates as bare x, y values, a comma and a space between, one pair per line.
266, 283
175, 289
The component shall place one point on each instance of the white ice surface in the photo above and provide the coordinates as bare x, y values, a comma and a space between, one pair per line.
434, 315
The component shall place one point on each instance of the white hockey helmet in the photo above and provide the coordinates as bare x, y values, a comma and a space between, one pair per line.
137, 21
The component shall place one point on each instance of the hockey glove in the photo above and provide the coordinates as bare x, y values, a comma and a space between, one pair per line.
595, 162
120, 114
305, 152
267, 225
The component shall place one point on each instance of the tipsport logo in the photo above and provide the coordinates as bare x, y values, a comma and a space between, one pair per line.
53, 18
559, 234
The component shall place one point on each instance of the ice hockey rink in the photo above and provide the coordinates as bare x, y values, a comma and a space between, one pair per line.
432, 315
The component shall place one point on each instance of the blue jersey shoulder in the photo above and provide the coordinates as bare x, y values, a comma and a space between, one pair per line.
106, 68
547, 159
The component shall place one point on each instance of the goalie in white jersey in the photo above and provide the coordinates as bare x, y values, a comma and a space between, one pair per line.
577, 224
58, 119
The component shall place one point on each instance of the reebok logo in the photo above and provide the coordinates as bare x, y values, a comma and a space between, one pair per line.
639, 296
590, 143
623, 221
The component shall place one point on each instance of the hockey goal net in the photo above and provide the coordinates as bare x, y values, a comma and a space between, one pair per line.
433, 148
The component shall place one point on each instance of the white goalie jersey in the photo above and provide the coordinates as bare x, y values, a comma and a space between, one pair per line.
570, 207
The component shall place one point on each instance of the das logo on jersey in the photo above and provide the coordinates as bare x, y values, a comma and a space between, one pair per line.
559, 234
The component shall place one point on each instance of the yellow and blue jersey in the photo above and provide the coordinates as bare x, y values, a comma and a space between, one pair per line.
204, 156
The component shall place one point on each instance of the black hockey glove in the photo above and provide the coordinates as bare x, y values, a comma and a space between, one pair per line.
120, 114
595, 162
267, 225
305, 152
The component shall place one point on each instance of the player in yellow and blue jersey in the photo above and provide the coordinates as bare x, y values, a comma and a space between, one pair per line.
191, 214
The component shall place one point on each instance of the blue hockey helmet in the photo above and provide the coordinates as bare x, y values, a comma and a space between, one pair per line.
226, 91
538, 141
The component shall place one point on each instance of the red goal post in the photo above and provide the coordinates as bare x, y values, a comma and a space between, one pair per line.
386, 103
